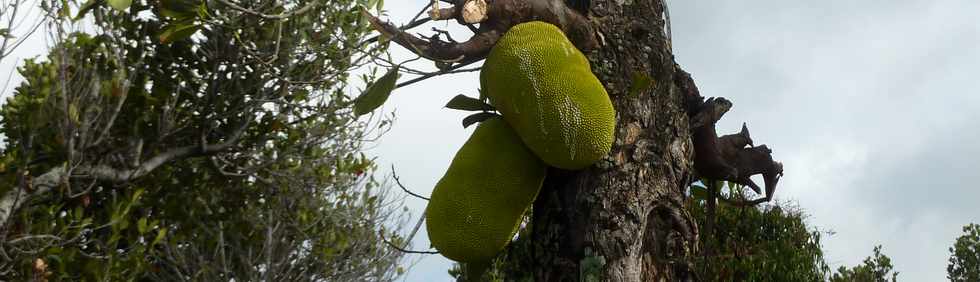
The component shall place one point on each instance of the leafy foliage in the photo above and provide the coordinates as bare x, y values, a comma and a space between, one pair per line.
228, 152
770, 243
964, 259
876, 268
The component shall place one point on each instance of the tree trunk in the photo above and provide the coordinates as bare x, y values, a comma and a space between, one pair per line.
623, 219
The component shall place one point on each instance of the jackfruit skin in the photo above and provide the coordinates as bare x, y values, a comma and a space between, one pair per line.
477, 206
545, 89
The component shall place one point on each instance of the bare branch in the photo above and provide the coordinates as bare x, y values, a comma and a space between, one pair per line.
453, 69
725, 158
400, 249
442, 14
743, 203
496, 18
39, 185
399, 182
707, 157
437, 50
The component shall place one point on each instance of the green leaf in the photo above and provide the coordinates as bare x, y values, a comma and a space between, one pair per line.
180, 9
120, 5
178, 31
641, 82
73, 113
463, 103
65, 11
137, 193
123, 224
477, 117
160, 234
88, 6
377, 93
699, 192
141, 225
202, 10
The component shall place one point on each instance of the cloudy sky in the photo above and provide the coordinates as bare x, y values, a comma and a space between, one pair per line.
873, 107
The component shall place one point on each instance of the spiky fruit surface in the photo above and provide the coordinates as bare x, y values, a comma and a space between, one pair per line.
545, 89
477, 206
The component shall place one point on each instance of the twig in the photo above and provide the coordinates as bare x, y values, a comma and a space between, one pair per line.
398, 181
400, 249
742, 203
452, 69
411, 25
416, 229
279, 16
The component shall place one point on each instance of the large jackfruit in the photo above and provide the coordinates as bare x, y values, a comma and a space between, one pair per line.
545, 89
477, 206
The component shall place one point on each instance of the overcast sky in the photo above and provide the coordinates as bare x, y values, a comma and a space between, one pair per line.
872, 106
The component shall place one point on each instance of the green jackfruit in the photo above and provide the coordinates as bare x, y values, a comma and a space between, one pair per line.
545, 89
477, 206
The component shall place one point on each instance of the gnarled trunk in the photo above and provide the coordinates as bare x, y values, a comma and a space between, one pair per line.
623, 219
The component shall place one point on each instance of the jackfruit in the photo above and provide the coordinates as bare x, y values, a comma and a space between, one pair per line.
477, 206
545, 89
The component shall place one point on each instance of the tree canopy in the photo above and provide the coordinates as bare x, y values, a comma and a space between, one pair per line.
964, 259
760, 243
181, 139
770, 242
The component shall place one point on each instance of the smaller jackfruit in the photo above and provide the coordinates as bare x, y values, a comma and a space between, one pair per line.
477, 206
545, 89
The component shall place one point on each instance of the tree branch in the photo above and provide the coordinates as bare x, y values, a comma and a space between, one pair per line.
399, 183
708, 160
400, 249
435, 49
13, 199
495, 19
453, 69
725, 158
757, 160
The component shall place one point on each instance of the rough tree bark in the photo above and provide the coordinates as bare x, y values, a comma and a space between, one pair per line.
627, 210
